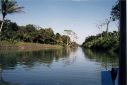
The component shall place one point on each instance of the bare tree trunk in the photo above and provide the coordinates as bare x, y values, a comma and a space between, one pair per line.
118, 26
101, 36
2, 25
67, 41
107, 28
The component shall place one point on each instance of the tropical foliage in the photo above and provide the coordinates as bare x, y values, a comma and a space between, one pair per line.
109, 42
30, 33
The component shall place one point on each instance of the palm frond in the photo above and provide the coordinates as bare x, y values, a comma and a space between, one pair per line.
15, 10
12, 7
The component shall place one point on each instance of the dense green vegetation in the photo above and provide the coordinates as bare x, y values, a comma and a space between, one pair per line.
103, 42
30, 33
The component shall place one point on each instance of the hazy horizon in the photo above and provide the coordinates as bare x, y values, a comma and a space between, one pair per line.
81, 16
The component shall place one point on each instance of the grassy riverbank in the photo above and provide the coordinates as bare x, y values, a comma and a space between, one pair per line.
23, 46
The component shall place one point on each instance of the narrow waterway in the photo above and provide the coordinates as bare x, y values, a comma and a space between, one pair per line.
55, 67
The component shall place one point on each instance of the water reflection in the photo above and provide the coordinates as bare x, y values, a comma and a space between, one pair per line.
106, 59
29, 59
10, 60
69, 66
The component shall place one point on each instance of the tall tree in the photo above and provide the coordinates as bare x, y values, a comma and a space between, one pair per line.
115, 13
100, 26
68, 33
58, 38
107, 22
9, 7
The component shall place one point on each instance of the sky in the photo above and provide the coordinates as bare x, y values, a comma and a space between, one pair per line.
81, 16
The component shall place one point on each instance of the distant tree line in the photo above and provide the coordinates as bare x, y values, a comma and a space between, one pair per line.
30, 33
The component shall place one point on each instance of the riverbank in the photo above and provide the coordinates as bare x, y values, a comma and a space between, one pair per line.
103, 42
23, 46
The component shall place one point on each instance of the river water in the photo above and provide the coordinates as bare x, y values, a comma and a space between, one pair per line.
68, 66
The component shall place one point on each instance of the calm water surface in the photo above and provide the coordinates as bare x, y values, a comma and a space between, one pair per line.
55, 67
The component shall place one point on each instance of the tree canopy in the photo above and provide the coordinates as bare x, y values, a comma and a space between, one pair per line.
115, 13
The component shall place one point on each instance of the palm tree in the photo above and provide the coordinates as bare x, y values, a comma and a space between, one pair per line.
9, 7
